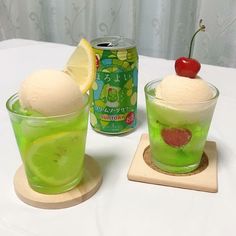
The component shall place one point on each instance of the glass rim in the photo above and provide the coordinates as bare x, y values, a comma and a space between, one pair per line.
10, 110
173, 102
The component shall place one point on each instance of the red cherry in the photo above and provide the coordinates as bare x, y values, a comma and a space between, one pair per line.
176, 137
187, 67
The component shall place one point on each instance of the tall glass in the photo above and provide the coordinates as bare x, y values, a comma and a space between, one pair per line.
52, 148
177, 131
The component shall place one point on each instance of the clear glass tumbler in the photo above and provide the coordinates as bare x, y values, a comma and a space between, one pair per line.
177, 131
52, 148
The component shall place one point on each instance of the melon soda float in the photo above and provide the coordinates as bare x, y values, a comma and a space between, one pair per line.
179, 112
49, 116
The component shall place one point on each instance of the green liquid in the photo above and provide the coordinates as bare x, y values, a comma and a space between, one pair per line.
174, 159
52, 149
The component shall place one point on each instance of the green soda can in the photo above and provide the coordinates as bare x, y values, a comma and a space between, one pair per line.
114, 93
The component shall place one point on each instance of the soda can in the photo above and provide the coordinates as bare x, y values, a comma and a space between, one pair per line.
114, 93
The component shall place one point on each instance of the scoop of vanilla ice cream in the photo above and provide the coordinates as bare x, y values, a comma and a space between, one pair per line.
51, 93
183, 100
182, 90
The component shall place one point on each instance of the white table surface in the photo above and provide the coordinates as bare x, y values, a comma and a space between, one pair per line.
120, 207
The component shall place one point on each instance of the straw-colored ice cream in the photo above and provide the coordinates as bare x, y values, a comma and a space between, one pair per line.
183, 98
180, 90
51, 93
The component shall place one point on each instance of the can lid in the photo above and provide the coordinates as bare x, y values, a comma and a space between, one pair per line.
113, 43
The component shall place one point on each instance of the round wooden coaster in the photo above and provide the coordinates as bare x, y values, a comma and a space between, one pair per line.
148, 160
89, 185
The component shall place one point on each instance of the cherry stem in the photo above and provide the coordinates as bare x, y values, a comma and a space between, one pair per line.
201, 28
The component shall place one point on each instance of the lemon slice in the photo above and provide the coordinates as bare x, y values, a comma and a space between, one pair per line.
82, 65
56, 159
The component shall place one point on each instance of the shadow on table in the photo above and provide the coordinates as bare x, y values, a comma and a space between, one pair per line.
225, 153
105, 162
108, 159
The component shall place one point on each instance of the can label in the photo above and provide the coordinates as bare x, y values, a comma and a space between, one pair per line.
114, 93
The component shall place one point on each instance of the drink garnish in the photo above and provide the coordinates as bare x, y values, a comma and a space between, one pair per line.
82, 65
176, 137
188, 66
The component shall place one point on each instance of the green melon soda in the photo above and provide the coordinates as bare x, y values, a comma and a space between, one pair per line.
52, 148
179, 111
178, 130
49, 116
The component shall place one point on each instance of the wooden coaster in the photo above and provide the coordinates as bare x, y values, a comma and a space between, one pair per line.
87, 188
204, 178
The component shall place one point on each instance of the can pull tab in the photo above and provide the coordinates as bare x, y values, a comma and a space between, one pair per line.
105, 44
113, 43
